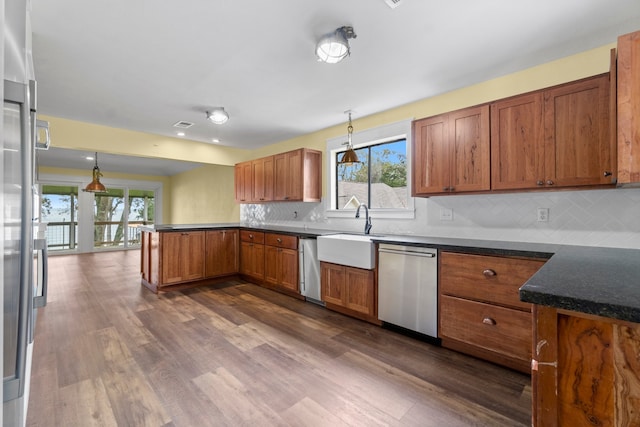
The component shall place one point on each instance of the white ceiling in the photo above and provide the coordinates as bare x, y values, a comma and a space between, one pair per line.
78, 159
146, 64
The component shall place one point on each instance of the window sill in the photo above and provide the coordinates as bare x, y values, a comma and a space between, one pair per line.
374, 213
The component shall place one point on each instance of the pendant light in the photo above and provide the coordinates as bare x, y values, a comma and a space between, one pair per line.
96, 186
349, 157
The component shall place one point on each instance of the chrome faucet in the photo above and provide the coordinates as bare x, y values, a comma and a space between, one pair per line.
367, 224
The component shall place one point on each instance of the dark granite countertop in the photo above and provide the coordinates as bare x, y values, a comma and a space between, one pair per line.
593, 280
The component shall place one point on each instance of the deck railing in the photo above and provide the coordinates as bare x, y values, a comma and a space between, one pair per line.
64, 235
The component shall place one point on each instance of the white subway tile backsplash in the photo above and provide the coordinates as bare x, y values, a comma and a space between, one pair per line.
609, 217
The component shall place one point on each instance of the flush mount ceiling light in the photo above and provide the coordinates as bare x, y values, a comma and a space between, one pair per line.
218, 115
334, 47
96, 186
349, 157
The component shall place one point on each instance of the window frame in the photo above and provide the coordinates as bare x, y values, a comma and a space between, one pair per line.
365, 138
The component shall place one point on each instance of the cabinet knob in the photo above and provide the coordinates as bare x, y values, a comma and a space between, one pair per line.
488, 321
540, 183
549, 182
607, 173
452, 188
286, 197
489, 272
279, 240
251, 236
445, 188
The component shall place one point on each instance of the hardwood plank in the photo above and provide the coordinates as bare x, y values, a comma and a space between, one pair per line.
109, 352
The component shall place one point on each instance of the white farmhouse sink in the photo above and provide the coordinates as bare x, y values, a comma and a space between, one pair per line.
354, 250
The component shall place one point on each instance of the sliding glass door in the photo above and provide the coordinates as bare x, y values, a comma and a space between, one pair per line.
59, 210
86, 222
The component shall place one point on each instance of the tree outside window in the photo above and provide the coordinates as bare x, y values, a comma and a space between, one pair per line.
380, 180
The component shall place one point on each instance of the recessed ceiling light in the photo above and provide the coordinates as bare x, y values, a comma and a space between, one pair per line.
216, 140
180, 134
90, 158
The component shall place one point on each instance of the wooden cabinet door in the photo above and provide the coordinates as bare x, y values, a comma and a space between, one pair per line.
271, 267
252, 260
289, 181
295, 180
431, 156
263, 179
332, 283
221, 253
171, 244
517, 143
281, 175
243, 182
360, 294
193, 250
469, 166
628, 94
288, 269
580, 147
182, 256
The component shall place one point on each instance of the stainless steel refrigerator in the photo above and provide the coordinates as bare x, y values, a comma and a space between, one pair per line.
22, 292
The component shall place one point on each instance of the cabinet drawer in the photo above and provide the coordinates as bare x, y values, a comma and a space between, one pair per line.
486, 278
499, 329
252, 236
281, 240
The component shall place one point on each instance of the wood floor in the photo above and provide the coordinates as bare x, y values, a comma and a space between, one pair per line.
110, 353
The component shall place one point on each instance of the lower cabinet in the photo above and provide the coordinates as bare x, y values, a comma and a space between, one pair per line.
480, 309
252, 255
585, 370
281, 262
182, 256
221, 253
349, 290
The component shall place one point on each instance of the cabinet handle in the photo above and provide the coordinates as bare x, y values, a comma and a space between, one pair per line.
286, 197
540, 183
184, 234
488, 321
489, 272
251, 236
549, 182
279, 240
445, 188
607, 173
452, 188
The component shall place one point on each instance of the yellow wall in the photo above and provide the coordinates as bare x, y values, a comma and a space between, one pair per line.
204, 195
103, 139
165, 180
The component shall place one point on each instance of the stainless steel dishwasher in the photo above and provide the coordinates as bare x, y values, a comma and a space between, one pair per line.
408, 287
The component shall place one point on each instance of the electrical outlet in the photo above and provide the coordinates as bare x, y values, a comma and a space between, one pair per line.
543, 214
446, 214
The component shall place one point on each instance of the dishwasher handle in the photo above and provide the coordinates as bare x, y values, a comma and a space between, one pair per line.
407, 253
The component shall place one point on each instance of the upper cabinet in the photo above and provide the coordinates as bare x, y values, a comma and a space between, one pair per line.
292, 176
243, 182
561, 136
557, 137
628, 66
262, 175
298, 176
451, 152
